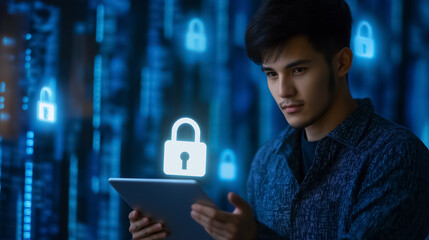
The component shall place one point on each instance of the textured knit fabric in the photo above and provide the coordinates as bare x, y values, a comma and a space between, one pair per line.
308, 151
369, 180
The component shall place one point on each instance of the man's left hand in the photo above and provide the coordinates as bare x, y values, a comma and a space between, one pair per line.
222, 225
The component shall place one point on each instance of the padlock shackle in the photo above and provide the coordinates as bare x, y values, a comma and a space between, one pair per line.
48, 91
225, 153
196, 22
179, 123
367, 25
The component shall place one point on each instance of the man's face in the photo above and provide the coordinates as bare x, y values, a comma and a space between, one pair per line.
301, 82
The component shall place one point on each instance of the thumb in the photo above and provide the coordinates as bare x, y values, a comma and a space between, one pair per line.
241, 206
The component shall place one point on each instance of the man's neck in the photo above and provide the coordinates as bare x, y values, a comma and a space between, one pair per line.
340, 109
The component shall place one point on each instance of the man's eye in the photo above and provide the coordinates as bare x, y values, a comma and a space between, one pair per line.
271, 74
299, 70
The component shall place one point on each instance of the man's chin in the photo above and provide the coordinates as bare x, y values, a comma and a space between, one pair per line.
297, 124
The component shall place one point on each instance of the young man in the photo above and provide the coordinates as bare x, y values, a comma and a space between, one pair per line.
339, 171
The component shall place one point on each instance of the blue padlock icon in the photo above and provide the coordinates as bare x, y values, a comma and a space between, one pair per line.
227, 165
364, 46
46, 107
195, 37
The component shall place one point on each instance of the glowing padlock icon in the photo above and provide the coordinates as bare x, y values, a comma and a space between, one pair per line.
195, 37
364, 46
46, 107
185, 158
227, 165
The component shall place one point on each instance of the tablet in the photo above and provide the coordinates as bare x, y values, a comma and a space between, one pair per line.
166, 200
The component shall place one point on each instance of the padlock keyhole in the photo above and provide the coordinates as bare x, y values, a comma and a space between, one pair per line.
185, 157
45, 113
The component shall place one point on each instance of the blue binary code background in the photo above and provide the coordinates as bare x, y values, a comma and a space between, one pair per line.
89, 89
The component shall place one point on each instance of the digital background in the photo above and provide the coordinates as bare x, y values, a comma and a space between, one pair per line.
115, 75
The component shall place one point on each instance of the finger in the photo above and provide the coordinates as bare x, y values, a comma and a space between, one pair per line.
134, 215
205, 220
158, 235
149, 230
210, 212
241, 206
139, 224
211, 225
217, 235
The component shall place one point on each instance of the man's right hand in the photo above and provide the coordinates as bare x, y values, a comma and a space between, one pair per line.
142, 228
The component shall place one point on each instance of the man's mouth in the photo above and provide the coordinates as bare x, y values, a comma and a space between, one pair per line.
291, 108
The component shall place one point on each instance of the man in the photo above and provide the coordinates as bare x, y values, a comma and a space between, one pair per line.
339, 171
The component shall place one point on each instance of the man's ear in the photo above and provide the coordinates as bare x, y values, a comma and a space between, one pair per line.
342, 61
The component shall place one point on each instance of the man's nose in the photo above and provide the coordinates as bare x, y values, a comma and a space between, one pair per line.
286, 87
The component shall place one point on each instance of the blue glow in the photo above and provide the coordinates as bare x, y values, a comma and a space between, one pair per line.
25, 105
1, 139
96, 117
185, 158
227, 165
28, 36
95, 184
96, 141
30, 142
72, 222
145, 91
29, 173
168, 18
99, 35
27, 227
27, 211
364, 43
28, 51
19, 216
28, 195
2, 87
222, 30
46, 107
7, 41
196, 39
97, 91
28, 181
4, 116
30, 134
1, 102
425, 135
240, 28
29, 150
29, 166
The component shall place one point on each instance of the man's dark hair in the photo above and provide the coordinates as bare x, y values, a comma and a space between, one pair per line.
326, 23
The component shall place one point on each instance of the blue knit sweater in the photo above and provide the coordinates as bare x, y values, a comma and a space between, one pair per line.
369, 180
